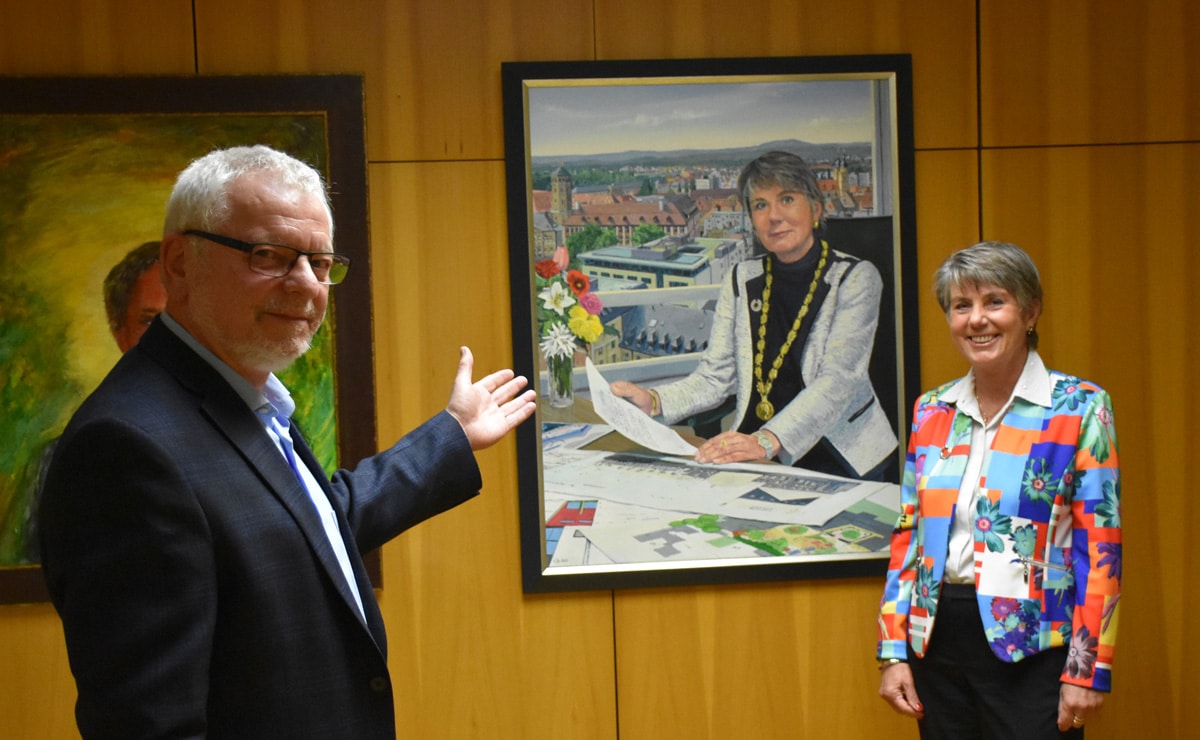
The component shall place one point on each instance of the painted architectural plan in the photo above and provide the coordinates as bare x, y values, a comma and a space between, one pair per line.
620, 508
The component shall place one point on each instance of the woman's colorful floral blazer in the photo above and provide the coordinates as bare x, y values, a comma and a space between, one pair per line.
1047, 530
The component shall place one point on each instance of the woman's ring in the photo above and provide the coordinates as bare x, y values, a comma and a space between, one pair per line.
723, 444
1078, 721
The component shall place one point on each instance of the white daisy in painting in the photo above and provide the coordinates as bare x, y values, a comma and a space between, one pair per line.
558, 342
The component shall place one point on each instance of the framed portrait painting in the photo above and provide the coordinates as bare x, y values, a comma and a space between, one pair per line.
710, 253
86, 167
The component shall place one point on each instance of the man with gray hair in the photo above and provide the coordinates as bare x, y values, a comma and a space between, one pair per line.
208, 574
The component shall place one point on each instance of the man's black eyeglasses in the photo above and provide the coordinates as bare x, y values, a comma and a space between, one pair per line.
277, 260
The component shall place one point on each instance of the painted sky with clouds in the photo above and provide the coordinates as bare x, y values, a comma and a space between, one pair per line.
597, 119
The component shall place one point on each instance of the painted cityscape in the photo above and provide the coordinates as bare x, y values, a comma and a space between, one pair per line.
635, 185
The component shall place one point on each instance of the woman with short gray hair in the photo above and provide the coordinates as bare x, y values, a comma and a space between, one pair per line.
791, 340
1009, 541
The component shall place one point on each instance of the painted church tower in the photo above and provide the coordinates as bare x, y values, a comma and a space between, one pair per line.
560, 193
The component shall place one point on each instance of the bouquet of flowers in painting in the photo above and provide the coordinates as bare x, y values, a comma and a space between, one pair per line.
568, 320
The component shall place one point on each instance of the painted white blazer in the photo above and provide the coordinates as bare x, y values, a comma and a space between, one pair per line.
838, 401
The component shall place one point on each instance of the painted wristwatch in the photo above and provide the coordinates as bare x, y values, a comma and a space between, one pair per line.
764, 441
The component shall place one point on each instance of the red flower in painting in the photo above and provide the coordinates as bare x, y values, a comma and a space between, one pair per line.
546, 268
579, 282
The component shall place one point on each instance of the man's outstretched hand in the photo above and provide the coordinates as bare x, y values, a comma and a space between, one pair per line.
491, 407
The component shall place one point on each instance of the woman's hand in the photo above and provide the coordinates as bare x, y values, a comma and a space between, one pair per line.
636, 394
729, 447
896, 687
1076, 705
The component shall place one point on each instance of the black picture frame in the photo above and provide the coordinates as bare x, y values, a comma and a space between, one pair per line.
319, 118
592, 90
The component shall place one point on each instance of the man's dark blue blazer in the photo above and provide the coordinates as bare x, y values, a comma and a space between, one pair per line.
198, 591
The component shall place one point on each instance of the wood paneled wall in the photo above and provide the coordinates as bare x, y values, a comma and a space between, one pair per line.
1071, 128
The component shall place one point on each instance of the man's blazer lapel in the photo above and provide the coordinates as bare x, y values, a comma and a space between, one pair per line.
246, 433
233, 418
370, 607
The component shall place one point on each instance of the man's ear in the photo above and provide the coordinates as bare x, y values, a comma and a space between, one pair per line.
174, 258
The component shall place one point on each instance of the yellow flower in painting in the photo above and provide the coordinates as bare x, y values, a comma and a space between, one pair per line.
584, 325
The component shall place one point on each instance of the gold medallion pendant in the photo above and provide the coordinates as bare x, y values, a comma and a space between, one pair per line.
765, 410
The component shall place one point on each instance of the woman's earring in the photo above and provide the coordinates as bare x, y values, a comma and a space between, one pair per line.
1029, 332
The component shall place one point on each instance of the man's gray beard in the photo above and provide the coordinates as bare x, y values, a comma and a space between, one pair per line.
267, 359
255, 354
